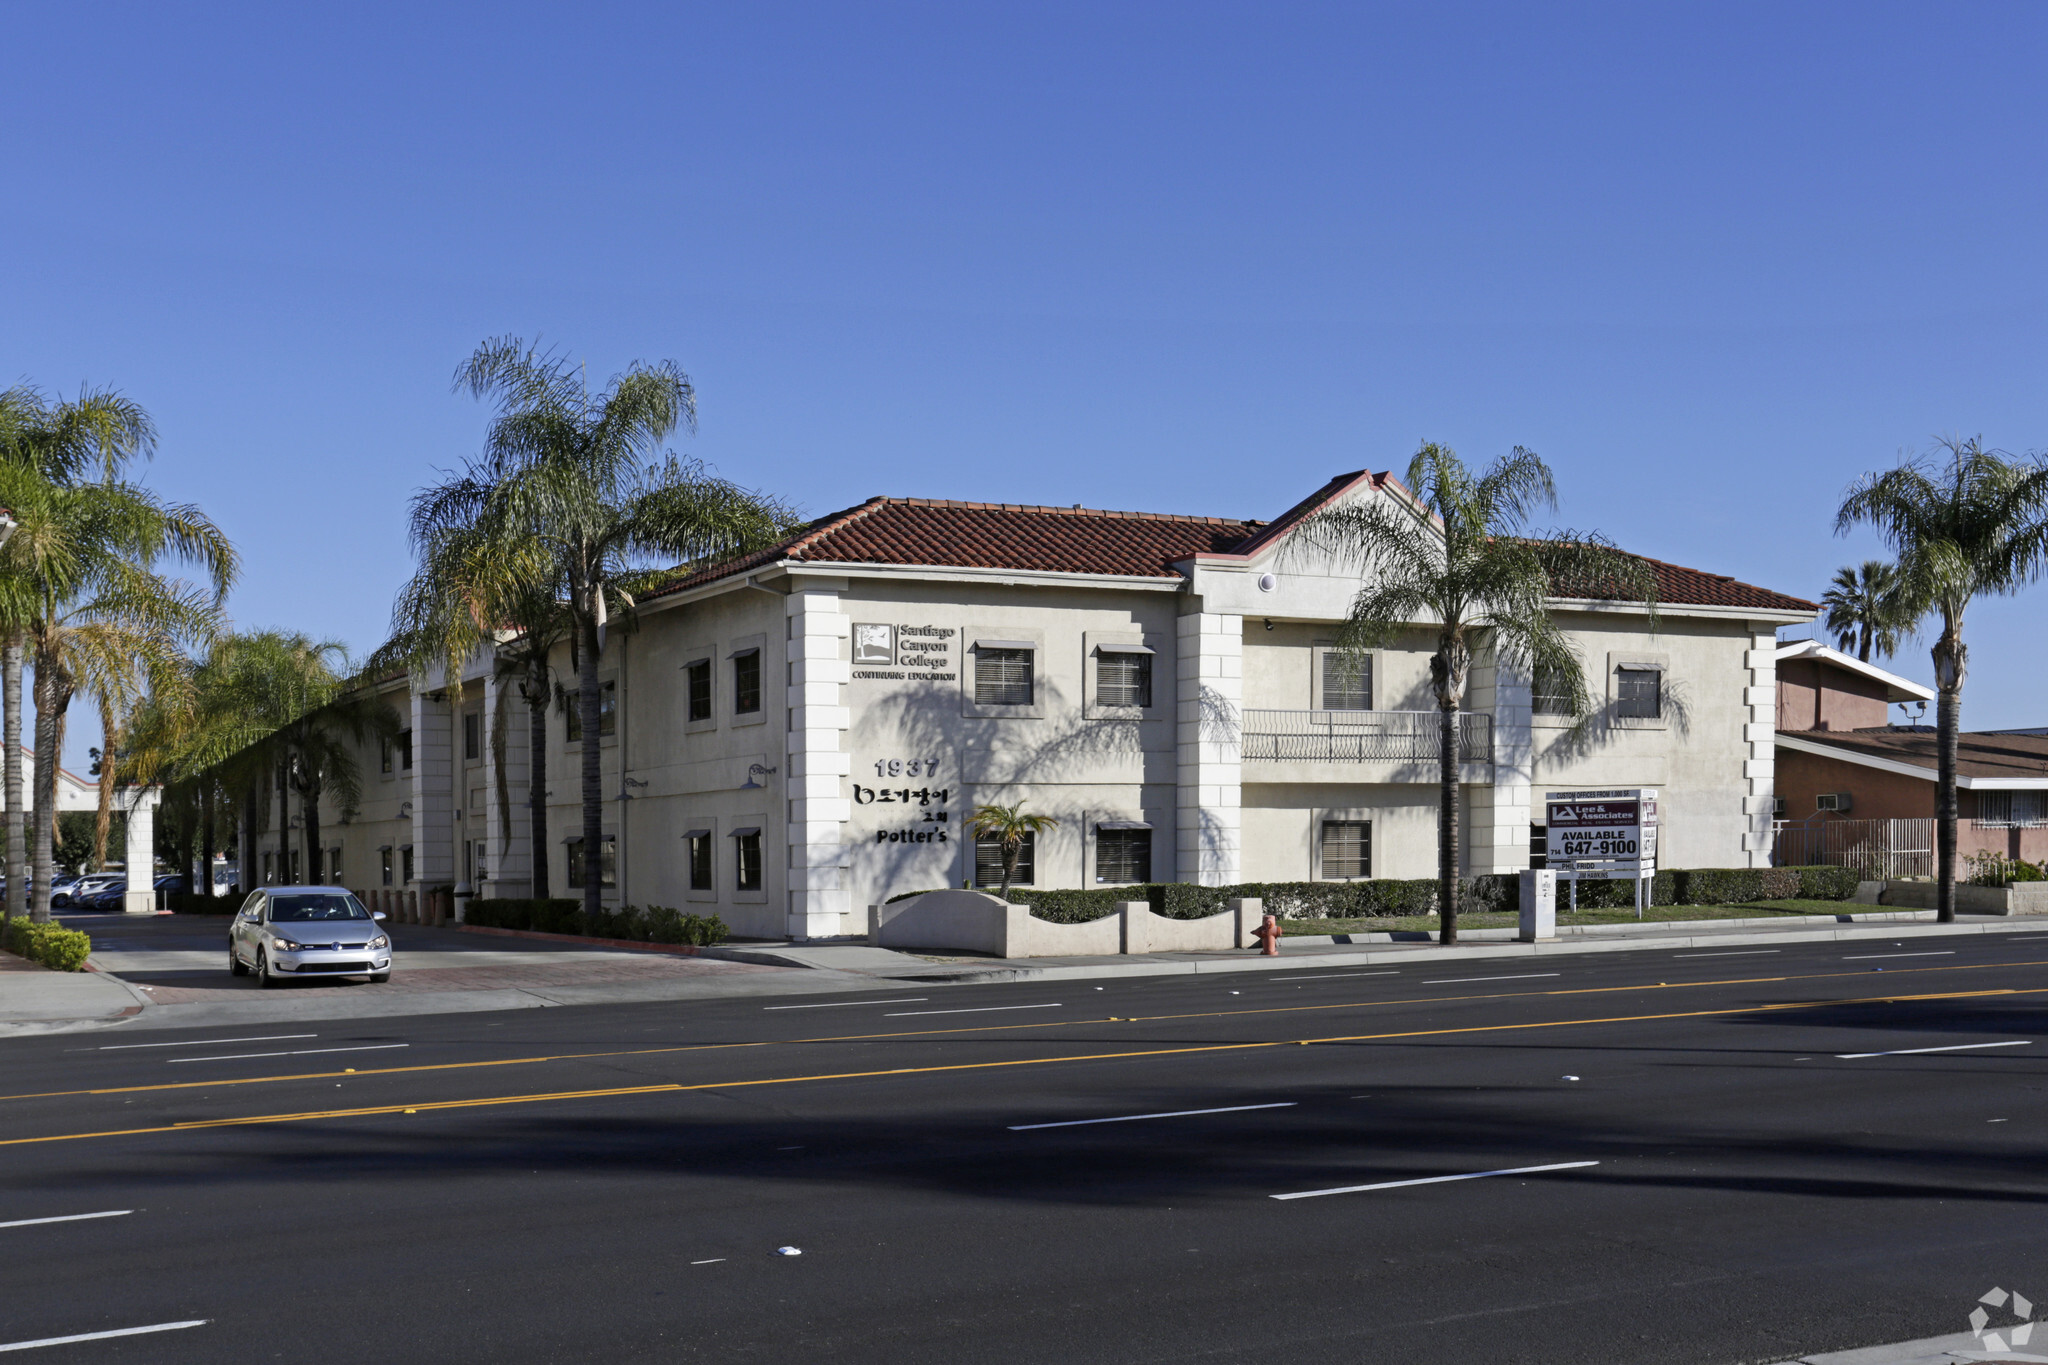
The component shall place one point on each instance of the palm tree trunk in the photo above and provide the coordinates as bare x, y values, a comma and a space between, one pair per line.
202, 885
103, 821
593, 781
1447, 821
1948, 724
46, 788
17, 810
537, 783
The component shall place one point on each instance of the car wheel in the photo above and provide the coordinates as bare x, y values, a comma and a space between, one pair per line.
236, 967
263, 974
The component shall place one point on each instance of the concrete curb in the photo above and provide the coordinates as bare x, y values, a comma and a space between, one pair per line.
1565, 931
1394, 955
1949, 1350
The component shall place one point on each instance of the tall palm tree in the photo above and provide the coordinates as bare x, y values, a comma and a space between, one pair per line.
97, 616
584, 475
1865, 612
1973, 524
1452, 553
65, 442
469, 594
1010, 826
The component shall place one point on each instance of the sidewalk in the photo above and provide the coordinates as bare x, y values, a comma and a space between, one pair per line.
1950, 1350
34, 999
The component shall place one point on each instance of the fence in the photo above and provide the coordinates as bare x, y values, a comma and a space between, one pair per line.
1361, 736
1878, 850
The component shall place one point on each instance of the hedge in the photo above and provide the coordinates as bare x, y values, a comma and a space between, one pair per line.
1388, 899
649, 924
50, 944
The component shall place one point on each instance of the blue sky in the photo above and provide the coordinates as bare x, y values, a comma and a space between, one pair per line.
1710, 262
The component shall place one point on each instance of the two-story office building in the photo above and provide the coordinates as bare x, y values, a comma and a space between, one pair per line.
793, 736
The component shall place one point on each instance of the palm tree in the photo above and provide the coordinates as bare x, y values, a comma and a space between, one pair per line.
1011, 827
64, 442
1973, 524
563, 468
96, 615
1865, 612
471, 594
1454, 556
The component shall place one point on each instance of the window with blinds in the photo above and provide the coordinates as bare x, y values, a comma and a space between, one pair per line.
747, 860
988, 861
1548, 694
607, 712
1639, 693
1123, 855
1347, 849
1347, 681
2012, 810
1123, 679
1002, 677
697, 693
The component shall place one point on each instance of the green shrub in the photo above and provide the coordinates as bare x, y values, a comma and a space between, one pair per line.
50, 944
1826, 883
654, 924
1379, 899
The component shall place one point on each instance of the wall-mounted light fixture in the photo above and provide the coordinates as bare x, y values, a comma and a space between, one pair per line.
627, 784
755, 771
405, 810
1269, 623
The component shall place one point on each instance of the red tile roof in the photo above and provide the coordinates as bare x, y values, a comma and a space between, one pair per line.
993, 535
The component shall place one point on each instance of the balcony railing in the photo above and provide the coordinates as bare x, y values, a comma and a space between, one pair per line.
1360, 736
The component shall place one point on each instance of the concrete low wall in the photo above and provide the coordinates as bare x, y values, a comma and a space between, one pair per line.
2027, 898
976, 922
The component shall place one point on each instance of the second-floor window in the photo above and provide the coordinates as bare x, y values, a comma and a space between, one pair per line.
472, 736
1123, 679
697, 692
1548, 694
607, 712
1347, 681
405, 754
1002, 677
746, 682
1638, 692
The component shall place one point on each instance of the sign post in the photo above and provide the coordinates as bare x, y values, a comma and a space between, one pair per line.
1603, 836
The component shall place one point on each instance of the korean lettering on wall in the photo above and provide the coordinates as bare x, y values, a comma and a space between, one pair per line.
922, 808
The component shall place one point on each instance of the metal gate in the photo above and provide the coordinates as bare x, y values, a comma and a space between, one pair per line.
1878, 850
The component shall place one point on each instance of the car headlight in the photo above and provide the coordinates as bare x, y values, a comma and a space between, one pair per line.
286, 944
379, 942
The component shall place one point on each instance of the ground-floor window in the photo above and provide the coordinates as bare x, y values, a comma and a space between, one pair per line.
607, 862
269, 869
384, 865
988, 860
747, 859
405, 864
334, 864
1347, 849
700, 859
295, 869
1123, 855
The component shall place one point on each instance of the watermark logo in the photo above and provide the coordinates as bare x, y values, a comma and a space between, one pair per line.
2012, 1334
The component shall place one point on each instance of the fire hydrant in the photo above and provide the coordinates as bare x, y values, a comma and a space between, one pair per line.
1268, 935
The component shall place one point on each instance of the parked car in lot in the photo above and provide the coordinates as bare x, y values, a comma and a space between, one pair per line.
286, 931
82, 890
103, 896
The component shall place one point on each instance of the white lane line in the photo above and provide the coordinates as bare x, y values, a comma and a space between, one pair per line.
842, 1004
1333, 976
210, 1042
102, 1336
713, 1261
67, 1218
985, 1009
1871, 957
303, 1052
1170, 1114
1953, 1047
1435, 1180
1461, 980
1733, 952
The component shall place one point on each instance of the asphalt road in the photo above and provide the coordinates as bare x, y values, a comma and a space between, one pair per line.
612, 1183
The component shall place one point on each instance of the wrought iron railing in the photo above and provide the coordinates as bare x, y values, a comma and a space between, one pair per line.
1361, 736
1878, 850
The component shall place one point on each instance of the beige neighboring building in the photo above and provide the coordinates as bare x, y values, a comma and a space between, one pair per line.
793, 736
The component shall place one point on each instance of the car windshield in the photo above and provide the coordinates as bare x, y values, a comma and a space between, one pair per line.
299, 909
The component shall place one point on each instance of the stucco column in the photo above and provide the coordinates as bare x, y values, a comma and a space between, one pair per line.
508, 860
1760, 745
1208, 817
140, 898
433, 790
817, 766
1498, 814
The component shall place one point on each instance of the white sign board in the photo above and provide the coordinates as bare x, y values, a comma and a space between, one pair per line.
1602, 835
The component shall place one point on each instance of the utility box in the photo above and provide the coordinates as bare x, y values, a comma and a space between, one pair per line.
1539, 905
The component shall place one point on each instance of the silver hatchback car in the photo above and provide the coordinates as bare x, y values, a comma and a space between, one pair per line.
286, 931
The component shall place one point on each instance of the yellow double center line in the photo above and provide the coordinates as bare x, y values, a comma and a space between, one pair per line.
675, 1087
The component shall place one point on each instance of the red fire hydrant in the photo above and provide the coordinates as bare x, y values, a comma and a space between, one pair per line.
1268, 935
